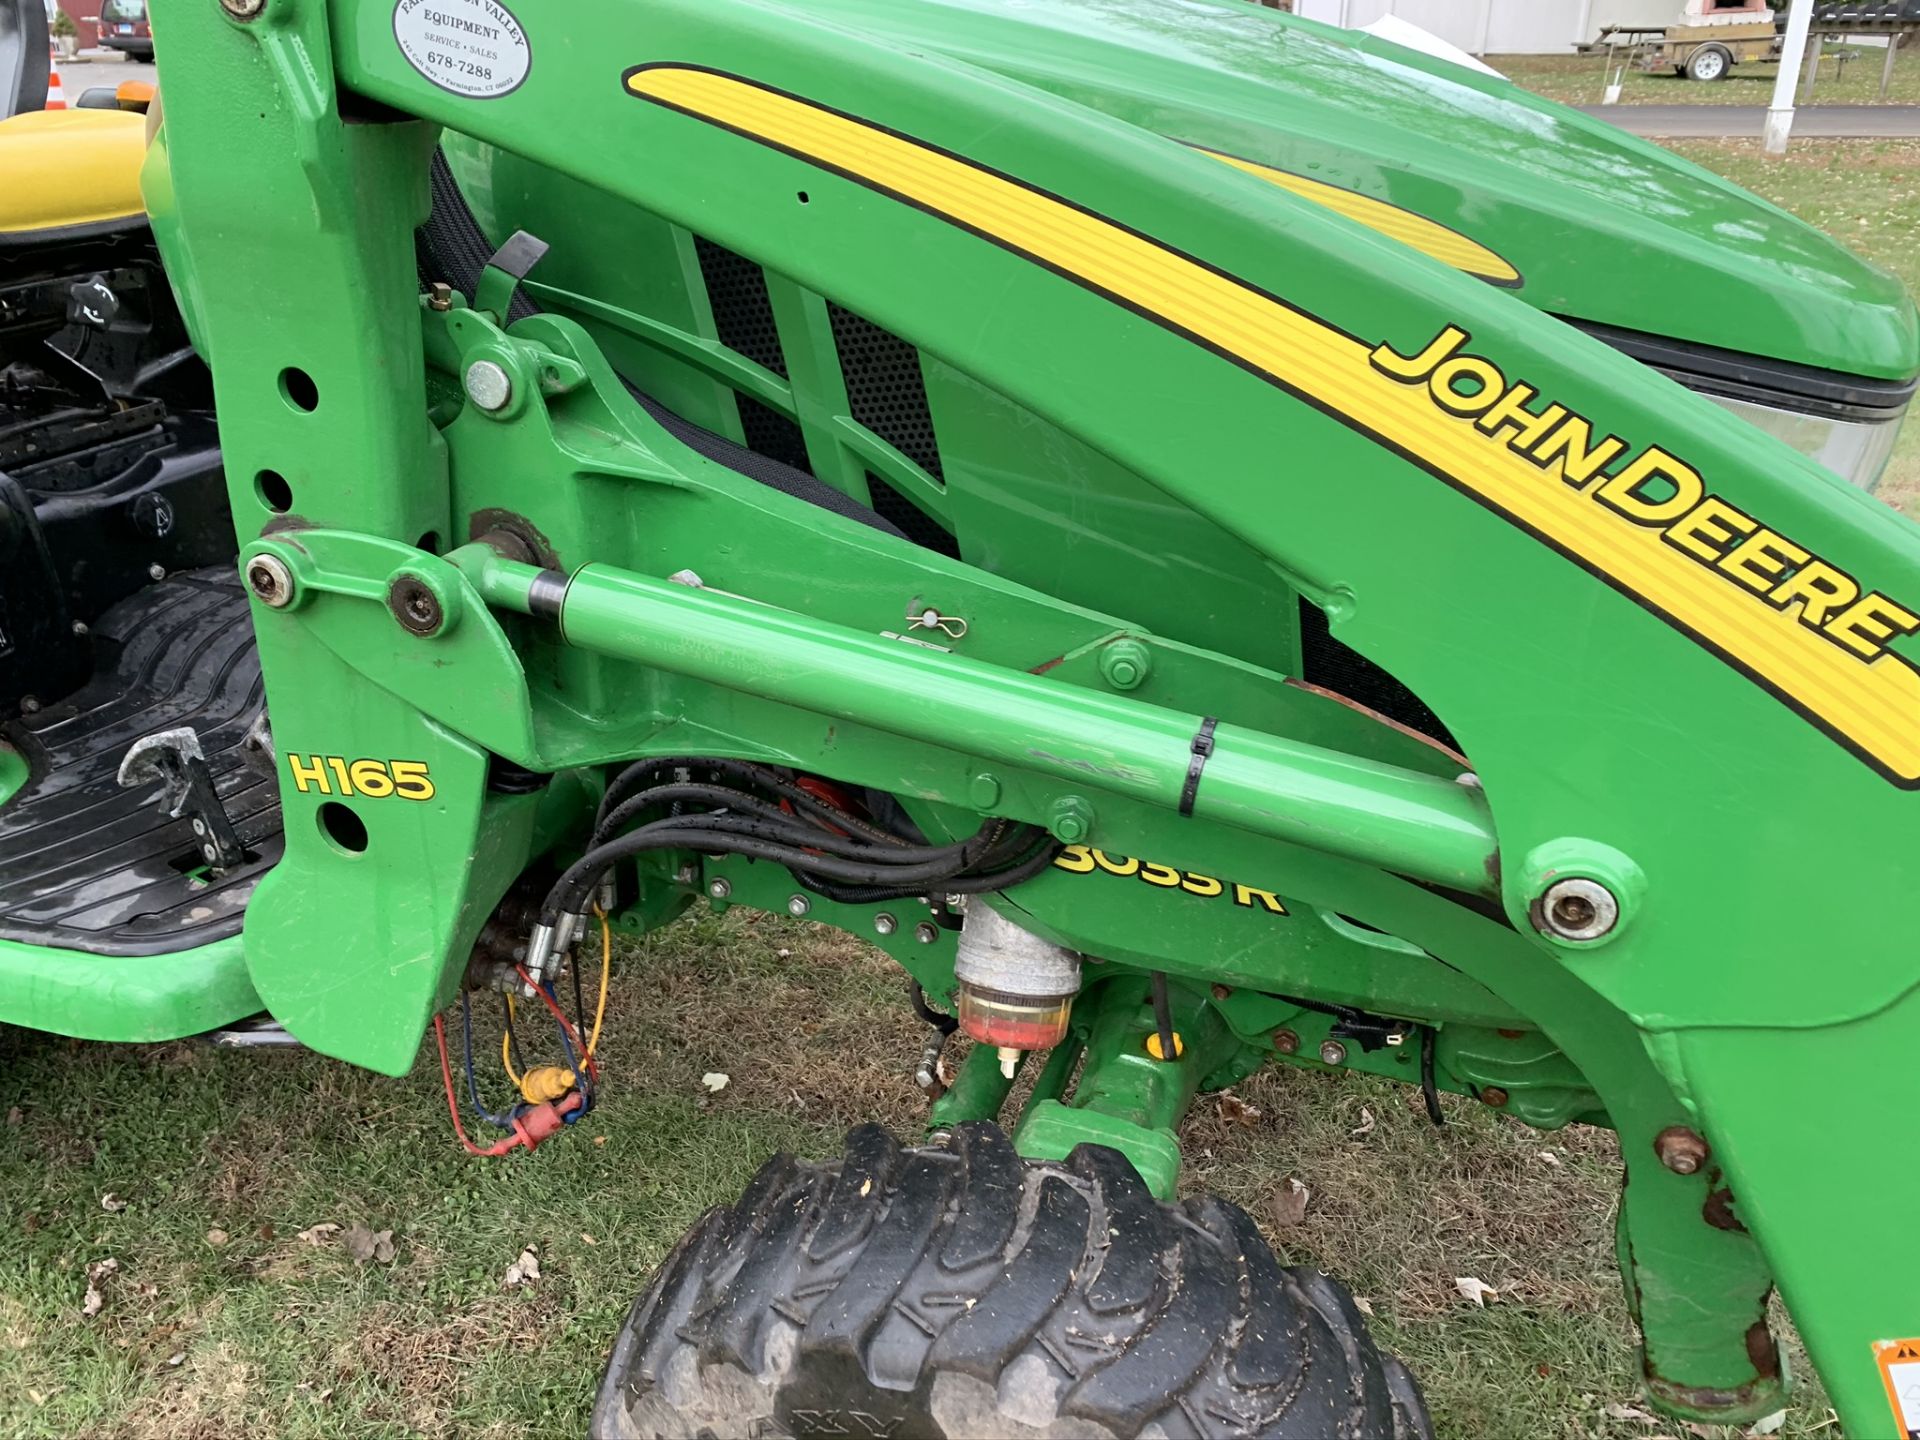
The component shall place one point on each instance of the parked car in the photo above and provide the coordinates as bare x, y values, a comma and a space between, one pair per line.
123, 26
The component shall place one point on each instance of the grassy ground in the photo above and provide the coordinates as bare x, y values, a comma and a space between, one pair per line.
1581, 79
196, 1171
221, 1320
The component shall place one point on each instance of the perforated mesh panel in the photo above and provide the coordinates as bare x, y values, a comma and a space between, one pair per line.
910, 519
742, 312
772, 434
1338, 667
885, 390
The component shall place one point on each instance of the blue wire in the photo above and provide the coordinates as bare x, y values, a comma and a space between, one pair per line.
586, 1089
473, 1088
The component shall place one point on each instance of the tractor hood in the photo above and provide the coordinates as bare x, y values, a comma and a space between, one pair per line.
1582, 220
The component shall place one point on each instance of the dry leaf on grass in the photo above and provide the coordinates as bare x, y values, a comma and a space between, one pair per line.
1476, 1290
523, 1271
715, 1081
588, 1239
321, 1234
364, 1244
1628, 1412
1364, 1305
1288, 1206
15, 1115
112, 1203
216, 1237
1549, 1157
96, 1272
1236, 1111
1768, 1424
1365, 1127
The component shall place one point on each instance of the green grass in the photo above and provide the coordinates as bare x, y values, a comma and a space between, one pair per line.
1581, 79
268, 1335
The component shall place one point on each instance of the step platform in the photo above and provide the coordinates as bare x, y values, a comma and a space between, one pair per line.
87, 865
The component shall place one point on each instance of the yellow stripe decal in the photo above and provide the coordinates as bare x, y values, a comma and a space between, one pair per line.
1872, 705
1429, 237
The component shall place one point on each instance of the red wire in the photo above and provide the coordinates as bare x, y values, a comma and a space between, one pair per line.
453, 1108
561, 1016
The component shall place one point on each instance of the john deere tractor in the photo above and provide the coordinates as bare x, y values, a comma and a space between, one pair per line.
1211, 539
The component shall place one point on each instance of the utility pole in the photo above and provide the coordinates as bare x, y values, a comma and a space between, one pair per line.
1793, 49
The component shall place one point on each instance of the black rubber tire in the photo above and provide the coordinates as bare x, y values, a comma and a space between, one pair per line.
961, 1291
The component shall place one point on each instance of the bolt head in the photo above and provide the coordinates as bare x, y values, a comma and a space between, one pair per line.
926, 932
415, 606
720, 889
440, 297
156, 571
80, 628
270, 581
884, 924
1286, 1042
1681, 1150
1577, 908
1221, 992
1070, 820
243, 9
1332, 1052
1124, 664
488, 386
798, 905
1493, 1095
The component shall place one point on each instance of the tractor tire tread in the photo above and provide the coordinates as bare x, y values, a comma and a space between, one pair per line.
960, 1290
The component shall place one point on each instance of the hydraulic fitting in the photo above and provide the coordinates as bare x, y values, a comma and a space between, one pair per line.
1015, 989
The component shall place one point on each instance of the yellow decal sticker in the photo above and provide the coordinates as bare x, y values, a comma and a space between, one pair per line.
1083, 860
1429, 237
372, 779
1900, 1371
1818, 643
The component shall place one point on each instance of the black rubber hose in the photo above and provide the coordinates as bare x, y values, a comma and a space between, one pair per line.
759, 775
945, 1024
740, 799
1429, 1090
738, 835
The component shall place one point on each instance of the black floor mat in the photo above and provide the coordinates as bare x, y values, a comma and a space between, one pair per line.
86, 865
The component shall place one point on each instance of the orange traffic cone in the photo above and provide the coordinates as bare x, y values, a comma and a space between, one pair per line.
56, 96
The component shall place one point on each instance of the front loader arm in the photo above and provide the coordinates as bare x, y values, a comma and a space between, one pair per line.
1680, 658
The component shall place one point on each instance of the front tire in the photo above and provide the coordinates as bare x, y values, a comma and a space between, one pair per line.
962, 1291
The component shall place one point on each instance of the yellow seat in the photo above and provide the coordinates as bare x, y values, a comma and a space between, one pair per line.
69, 170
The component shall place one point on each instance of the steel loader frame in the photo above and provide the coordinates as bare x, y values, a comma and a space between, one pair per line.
1722, 762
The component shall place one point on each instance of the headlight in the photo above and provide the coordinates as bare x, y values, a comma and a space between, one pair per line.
1855, 450
1847, 423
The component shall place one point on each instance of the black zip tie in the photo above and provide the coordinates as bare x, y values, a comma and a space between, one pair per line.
1202, 747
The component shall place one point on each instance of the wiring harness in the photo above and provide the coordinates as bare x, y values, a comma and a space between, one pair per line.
736, 807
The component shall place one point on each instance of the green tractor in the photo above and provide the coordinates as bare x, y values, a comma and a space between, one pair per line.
1177, 523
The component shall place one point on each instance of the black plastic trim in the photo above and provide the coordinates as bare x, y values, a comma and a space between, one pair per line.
1783, 384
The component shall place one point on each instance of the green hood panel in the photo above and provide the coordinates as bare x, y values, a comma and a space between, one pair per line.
1603, 227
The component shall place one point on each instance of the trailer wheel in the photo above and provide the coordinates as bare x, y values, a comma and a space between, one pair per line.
1709, 62
962, 1291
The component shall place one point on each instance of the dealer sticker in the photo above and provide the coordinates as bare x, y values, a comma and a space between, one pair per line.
466, 47
1900, 1372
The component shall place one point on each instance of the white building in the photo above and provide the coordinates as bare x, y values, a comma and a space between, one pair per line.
1501, 27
